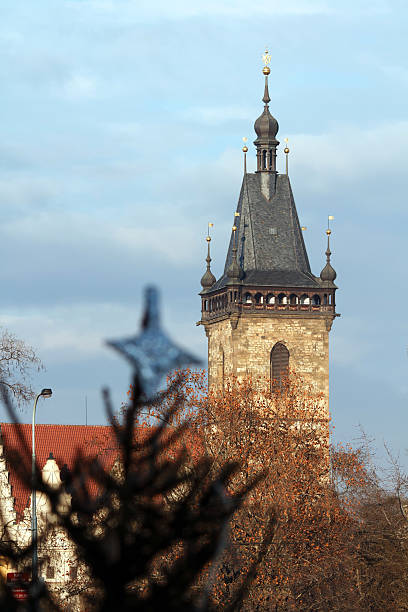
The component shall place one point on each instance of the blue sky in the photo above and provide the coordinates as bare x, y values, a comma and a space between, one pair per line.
121, 134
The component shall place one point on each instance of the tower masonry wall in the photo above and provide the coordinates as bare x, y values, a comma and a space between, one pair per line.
246, 349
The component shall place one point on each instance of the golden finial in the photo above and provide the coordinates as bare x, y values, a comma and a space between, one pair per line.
234, 231
245, 151
286, 151
237, 214
266, 60
303, 228
329, 218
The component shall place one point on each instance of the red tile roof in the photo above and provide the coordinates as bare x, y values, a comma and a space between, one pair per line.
62, 441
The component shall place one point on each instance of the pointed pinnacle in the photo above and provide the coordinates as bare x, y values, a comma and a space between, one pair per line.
266, 99
328, 251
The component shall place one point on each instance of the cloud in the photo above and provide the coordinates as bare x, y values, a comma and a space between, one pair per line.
216, 115
353, 156
183, 9
141, 10
76, 331
79, 86
397, 72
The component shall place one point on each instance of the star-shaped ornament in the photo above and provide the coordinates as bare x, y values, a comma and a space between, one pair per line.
152, 353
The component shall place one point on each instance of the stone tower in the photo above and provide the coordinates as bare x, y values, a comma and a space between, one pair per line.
268, 312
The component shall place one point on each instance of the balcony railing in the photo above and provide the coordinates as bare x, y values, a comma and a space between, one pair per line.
231, 308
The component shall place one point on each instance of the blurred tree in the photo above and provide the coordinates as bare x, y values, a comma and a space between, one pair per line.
123, 535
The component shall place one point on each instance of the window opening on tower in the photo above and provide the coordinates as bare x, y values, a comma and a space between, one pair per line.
279, 365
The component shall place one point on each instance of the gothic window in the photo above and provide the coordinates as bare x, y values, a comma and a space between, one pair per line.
304, 299
293, 299
270, 299
259, 298
73, 572
248, 298
282, 299
316, 300
50, 572
279, 364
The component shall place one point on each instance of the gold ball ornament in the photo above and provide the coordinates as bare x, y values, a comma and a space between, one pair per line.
328, 232
208, 239
286, 150
245, 149
266, 70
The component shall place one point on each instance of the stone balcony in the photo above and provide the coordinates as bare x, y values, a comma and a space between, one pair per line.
221, 308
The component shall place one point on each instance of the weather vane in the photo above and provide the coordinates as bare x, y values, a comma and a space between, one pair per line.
266, 58
329, 218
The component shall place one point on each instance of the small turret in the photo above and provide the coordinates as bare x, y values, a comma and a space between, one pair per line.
328, 274
208, 278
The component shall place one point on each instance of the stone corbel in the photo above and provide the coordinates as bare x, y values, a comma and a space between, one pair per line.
234, 318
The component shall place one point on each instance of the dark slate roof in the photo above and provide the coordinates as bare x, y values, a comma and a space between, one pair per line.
271, 249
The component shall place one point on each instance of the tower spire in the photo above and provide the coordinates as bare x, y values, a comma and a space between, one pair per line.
208, 278
266, 128
328, 274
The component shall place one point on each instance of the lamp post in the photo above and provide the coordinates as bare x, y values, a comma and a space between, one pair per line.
34, 571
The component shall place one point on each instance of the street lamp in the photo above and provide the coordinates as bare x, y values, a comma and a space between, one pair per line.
34, 571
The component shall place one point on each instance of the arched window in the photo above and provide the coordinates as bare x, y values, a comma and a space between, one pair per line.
264, 160
293, 299
282, 299
316, 300
270, 298
259, 298
248, 298
279, 364
304, 299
